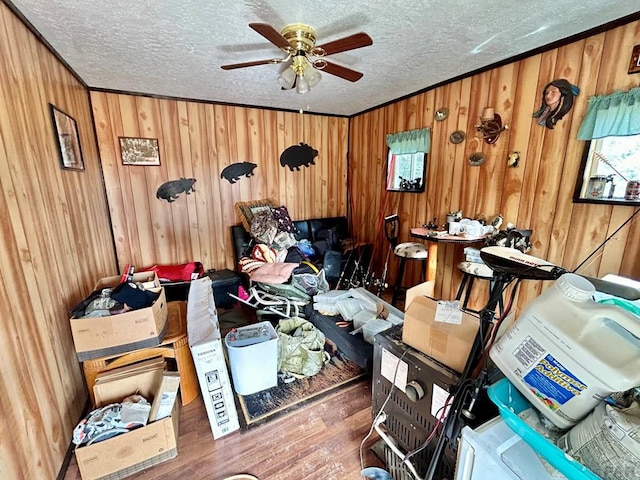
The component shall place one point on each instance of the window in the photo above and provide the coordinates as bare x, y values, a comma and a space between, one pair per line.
407, 160
406, 172
610, 167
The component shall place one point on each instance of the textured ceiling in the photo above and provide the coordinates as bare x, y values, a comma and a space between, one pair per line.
176, 47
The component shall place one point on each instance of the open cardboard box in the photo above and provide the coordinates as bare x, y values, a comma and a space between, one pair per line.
424, 289
128, 453
116, 334
448, 343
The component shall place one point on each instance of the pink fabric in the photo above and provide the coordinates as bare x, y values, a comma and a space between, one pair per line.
273, 272
242, 293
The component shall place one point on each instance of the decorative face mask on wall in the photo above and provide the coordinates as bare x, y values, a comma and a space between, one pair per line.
557, 100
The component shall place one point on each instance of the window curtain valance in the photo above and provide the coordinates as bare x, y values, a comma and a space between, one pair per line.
617, 114
412, 141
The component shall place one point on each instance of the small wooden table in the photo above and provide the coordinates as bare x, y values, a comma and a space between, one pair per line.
175, 345
437, 264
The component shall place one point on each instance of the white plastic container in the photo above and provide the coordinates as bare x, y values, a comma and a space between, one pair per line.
362, 317
566, 352
348, 308
253, 357
494, 451
373, 327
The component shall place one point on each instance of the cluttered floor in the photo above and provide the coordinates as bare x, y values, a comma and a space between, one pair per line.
318, 439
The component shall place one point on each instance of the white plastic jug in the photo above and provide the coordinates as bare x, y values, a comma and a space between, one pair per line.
566, 352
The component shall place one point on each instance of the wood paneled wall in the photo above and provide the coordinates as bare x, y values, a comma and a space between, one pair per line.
59, 234
197, 140
55, 241
537, 194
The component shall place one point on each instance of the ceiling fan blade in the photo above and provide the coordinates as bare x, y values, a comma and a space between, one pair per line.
271, 34
252, 64
342, 72
357, 40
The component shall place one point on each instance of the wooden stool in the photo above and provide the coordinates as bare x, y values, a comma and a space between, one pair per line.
175, 345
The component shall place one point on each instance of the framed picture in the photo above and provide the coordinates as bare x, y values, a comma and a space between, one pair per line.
139, 151
65, 131
246, 210
634, 64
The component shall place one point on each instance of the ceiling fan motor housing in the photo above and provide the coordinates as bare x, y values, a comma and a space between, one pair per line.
300, 37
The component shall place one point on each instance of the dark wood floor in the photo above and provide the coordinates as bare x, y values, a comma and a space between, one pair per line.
319, 441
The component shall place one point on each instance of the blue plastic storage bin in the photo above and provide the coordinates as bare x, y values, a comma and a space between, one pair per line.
510, 403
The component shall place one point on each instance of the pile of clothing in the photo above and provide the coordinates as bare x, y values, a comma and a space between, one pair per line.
124, 297
275, 255
111, 420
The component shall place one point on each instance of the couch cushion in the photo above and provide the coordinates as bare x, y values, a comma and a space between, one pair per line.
241, 239
340, 225
273, 272
302, 230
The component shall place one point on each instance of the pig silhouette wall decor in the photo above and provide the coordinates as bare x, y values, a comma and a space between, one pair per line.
169, 190
234, 171
298, 155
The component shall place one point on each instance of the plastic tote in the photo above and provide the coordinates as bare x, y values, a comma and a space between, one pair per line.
510, 403
494, 451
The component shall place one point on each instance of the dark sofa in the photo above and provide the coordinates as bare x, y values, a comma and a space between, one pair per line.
353, 346
308, 229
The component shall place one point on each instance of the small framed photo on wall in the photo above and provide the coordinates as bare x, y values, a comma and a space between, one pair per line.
139, 151
634, 64
65, 131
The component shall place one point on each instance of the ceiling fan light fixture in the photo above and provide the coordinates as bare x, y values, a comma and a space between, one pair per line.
313, 77
302, 85
287, 78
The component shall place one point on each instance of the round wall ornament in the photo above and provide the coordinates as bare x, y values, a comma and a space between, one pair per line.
441, 114
476, 159
457, 137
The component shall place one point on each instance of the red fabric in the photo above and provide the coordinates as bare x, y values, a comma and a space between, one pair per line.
177, 273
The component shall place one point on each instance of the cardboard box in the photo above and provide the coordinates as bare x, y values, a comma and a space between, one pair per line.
166, 395
208, 356
116, 334
144, 377
424, 289
447, 343
131, 452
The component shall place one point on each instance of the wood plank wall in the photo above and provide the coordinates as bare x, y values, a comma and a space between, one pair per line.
55, 241
535, 195
197, 140
56, 238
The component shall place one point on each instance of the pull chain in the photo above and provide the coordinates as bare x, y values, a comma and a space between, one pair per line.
302, 124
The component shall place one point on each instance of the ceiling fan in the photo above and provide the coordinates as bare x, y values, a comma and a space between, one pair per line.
298, 42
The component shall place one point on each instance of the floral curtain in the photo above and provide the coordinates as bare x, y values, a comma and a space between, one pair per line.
617, 114
412, 141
